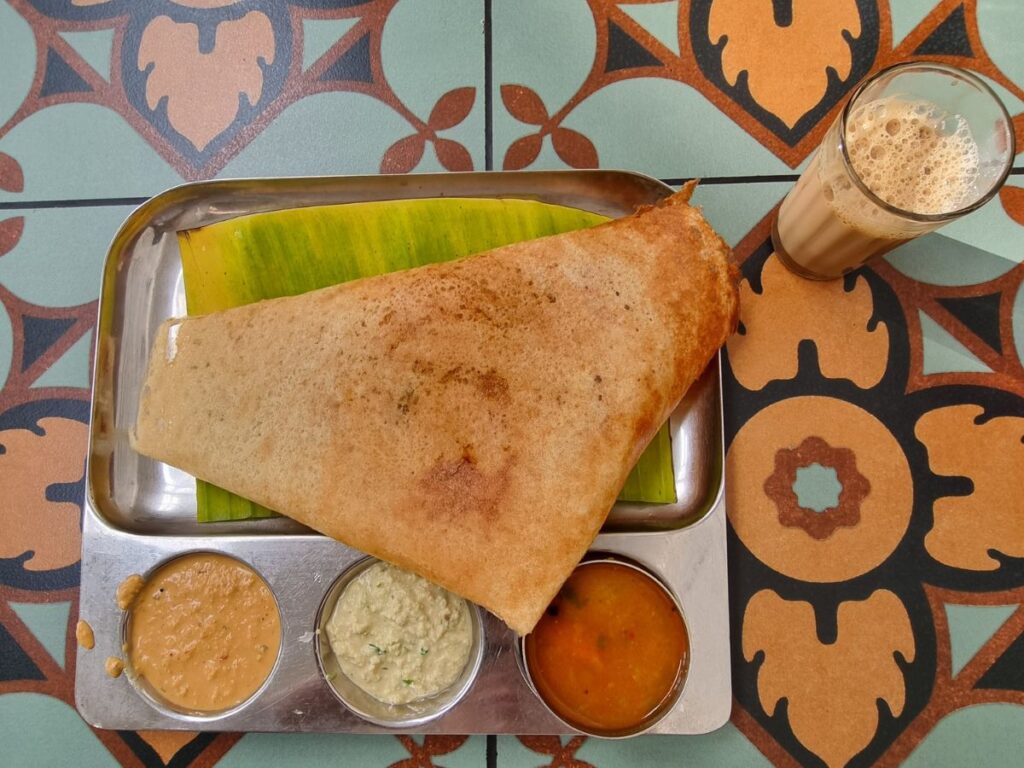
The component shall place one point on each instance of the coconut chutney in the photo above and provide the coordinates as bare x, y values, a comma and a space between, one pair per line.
398, 636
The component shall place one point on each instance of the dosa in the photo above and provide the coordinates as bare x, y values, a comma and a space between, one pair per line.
471, 421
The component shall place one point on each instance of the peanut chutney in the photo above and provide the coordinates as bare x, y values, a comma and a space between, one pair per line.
204, 632
84, 635
113, 666
611, 650
127, 590
399, 637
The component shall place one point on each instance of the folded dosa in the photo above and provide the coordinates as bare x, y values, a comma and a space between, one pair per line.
471, 421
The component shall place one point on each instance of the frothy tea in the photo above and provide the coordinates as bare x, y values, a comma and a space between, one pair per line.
913, 155
910, 153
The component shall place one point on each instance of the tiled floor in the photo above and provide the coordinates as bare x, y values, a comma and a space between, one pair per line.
900, 638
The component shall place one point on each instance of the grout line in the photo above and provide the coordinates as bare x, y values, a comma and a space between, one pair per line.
96, 202
709, 180
488, 96
766, 179
492, 751
108, 202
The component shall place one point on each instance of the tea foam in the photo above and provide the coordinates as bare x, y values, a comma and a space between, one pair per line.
913, 155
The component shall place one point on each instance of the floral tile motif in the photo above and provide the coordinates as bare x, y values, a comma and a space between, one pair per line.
572, 83
853, 597
325, 750
874, 425
194, 83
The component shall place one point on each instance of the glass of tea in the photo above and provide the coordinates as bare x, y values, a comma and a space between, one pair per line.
916, 146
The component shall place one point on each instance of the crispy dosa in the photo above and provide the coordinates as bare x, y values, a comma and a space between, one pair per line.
471, 421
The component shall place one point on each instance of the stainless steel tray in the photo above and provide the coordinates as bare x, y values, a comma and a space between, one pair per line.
140, 512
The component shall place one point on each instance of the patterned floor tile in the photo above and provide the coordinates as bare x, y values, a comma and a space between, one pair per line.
724, 748
661, 19
970, 627
168, 744
28, 724
19, 61
942, 353
342, 143
432, 58
679, 125
70, 150
6, 345
998, 25
913, 369
42, 469
383, 85
907, 14
71, 370
575, 87
58, 258
991, 234
313, 750
734, 209
986, 734
1017, 323
49, 623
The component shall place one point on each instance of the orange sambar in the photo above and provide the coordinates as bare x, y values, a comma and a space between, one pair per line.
610, 651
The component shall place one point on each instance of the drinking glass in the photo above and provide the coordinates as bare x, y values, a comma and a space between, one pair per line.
842, 212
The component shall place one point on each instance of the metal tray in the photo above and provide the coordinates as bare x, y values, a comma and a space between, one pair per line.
139, 512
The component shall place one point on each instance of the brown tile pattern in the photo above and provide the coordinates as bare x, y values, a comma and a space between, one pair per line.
201, 80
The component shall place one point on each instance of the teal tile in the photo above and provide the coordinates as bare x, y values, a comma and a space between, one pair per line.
735, 209
655, 125
970, 627
59, 259
318, 35
471, 754
337, 138
999, 24
660, 19
96, 47
817, 487
977, 248
426, 53
6, 345
71, 369
269, 750
683, 133
84, 151
19, 55
512, 753
186, 117
984, 734
724, 748
1018, 324
906, 15
264, 750
548, 47
429, 50
944, 354
49, 623
39, 730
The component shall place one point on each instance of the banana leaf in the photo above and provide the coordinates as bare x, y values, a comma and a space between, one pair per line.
283, 253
